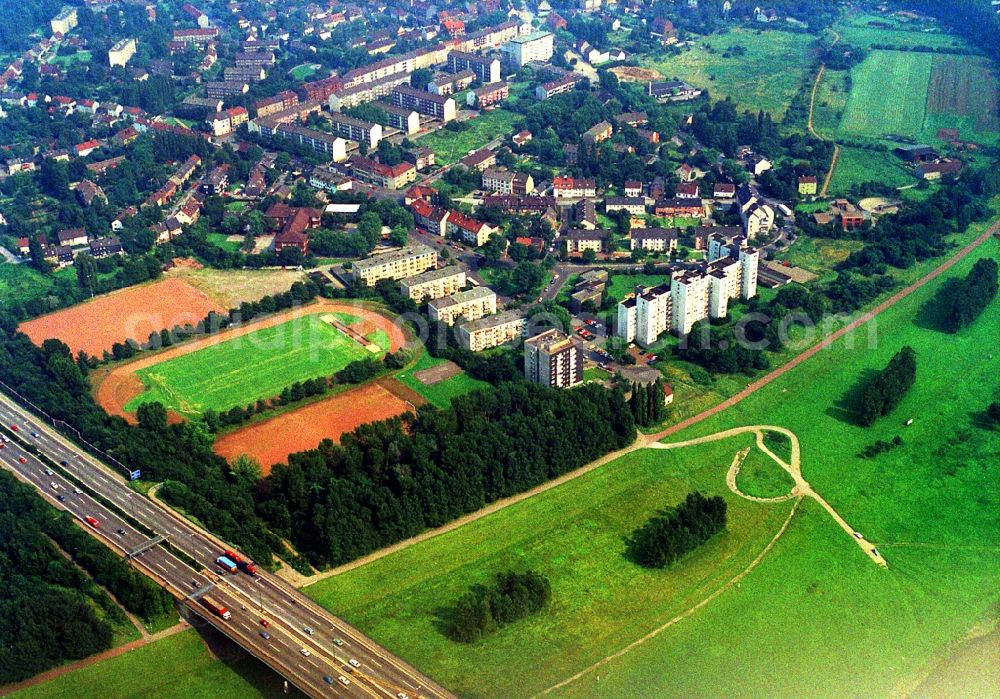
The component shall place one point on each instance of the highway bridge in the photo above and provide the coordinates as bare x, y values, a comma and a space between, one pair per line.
318, 653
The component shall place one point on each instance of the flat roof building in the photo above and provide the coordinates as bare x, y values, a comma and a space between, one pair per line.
554, 359
398, 264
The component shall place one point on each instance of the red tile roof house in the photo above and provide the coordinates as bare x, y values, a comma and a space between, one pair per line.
293, 233
687, 190
724, 190
84, 149
431, 218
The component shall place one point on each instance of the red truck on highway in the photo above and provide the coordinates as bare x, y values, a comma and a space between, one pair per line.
214, 607
246, 566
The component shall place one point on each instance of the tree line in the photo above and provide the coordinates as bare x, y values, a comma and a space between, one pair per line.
647, 403
964, 300
883, 392
669, 535
390, 480
510, 597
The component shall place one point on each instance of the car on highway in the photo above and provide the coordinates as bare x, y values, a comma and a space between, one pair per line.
327, 679
402, 695
92, 521
22, 459
61, 498
265, 635
48, 472
265, 622
343, 680
308, 630
120, 532
54, 485
305, 652
338, 642
35, 435
15, 428
63, 464
354, 663
77, 491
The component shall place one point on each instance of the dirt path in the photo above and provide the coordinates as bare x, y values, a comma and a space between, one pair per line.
813, 131
793, 468
96, 658
644, 440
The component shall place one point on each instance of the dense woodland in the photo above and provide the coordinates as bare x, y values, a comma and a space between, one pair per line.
50, 611
671, 534
390, 480
484, 609
880, 394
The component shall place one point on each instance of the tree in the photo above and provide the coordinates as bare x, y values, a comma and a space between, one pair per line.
886, 389
37, 255
589, 256
86, 272
420, 78
246, 471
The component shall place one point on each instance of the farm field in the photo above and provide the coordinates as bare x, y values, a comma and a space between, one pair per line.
963, 94
230, 287
248, 367
831, 99
858, 165
766, 77
180, 666
452, 146
866, 29
888, 96
271, 441
440, 393
823, 610
135, 312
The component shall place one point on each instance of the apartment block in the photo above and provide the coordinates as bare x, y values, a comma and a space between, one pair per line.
689, 294
468, 305
384, 176
488, 95
654, 239
286, 99
398, 264
438, 106
554, 359
121, 53
226, 88
64, 21
537, 46
355, 129
406, 120
362, 93
485, 68
645, 316
507, 182
321, 142
491, 331
634, 205
451, 83
434, 283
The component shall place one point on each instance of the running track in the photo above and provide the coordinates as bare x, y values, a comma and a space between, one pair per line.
830, 339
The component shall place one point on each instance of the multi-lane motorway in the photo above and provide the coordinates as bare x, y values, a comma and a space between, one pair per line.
316, 652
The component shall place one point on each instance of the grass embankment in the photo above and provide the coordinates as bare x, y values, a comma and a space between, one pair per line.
821, 609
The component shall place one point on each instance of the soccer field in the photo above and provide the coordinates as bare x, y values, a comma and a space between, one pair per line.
250, 367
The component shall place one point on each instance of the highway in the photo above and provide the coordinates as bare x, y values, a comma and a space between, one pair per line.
308, 646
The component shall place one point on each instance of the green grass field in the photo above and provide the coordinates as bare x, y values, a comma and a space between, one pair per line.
245, 369
179, 666
303, 71
620, 285
858, 165
82, 56
19, 282
766, 77
221, 240
451, 146
821, 609
761, 477
889, 95
443, 392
